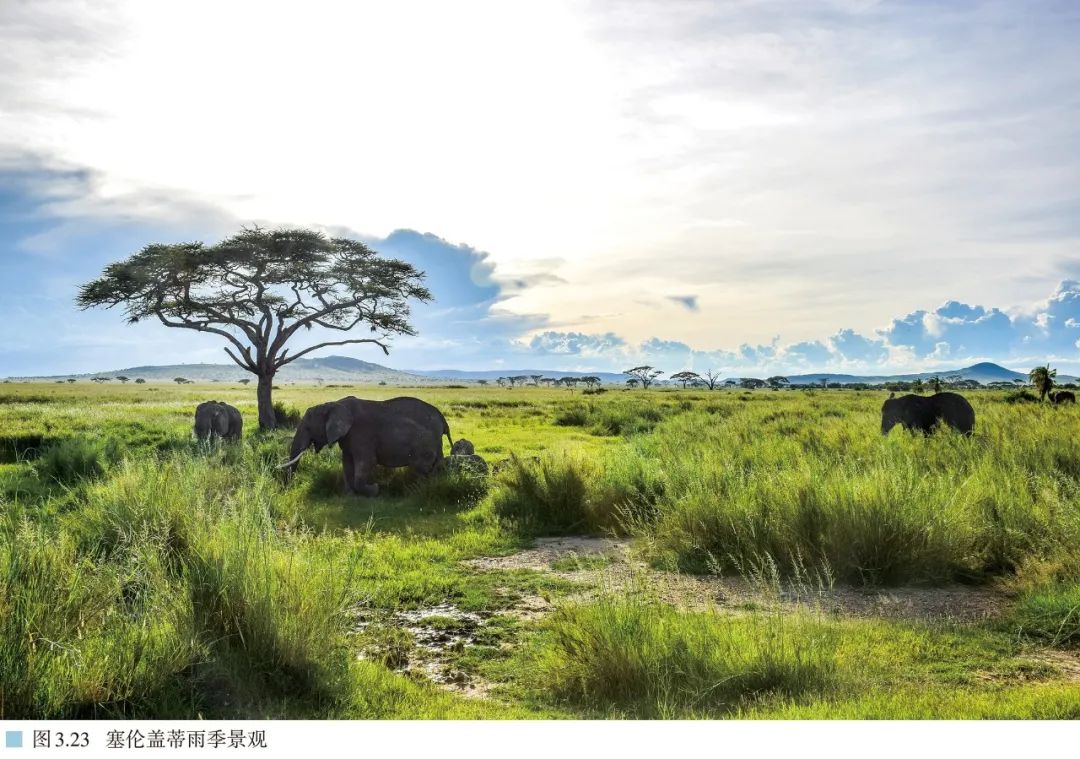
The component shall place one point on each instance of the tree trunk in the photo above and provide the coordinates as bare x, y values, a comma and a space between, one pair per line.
267, 419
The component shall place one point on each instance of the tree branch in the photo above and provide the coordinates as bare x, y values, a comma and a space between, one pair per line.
282, 361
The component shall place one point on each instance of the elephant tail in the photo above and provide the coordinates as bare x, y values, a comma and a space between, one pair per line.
446, 431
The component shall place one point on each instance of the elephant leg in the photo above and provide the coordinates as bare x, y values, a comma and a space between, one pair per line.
348, 470
364, 469
424, 465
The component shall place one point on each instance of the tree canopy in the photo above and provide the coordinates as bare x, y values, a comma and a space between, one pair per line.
646, 375
259, 289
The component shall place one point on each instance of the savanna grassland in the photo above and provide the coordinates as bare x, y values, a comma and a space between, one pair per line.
766, 554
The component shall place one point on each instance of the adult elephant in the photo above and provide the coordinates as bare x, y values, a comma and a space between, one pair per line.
1062, 397
217, 419
917, 412
395, 433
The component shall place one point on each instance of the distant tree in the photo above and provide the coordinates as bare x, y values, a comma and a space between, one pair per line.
536, 379
591, 381
731, 383
570, 383
685, 377
646, 375
501, 382
751, 383
777, 382
917, 386
631, 383
481, 382
711, 379
259, 289
58, 382
99, 380
71, 380
123, 380
181, 381
244, 381
140, 381
1042, 377
520, 379
935, 383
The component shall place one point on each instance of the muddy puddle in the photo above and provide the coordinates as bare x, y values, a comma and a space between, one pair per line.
423, 643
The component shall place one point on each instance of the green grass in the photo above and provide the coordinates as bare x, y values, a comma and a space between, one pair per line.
145, 574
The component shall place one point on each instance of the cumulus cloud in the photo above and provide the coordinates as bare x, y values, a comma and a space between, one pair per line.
575, 344
852, 347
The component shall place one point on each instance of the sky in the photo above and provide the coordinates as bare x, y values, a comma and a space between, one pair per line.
754, 186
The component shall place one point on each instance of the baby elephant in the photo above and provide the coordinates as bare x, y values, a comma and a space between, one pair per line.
463, 457
215, 419
1062, 397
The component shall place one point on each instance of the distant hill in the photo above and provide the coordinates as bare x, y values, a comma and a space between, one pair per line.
346, 370
331, 369
983, 373
463, 375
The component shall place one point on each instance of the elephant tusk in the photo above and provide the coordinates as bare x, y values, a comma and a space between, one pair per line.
291, 461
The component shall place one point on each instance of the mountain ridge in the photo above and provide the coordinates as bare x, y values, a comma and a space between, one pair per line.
337, 368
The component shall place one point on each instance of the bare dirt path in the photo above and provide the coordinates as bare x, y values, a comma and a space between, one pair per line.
619, 570
608, 565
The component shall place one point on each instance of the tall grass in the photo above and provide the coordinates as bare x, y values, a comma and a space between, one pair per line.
165, 567
652, 660
564, 494
797, 482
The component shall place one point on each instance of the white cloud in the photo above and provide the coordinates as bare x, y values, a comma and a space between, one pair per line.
800, 168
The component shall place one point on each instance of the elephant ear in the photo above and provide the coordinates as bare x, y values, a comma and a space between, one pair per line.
338, 423
892, 395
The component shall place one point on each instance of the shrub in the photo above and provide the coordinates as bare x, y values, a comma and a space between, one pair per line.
564, 495
573, 416
1021, 396
75, 459
549, 495
286, 416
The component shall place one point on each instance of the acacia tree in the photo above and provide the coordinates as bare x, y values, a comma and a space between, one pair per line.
777, 382
259, 289
646, 375
685, 377
711, 379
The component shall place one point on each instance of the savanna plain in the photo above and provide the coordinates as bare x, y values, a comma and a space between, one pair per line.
636, 554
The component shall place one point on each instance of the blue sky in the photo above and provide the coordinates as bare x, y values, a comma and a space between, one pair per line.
770, 186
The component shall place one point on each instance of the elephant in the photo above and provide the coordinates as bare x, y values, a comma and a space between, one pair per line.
462, 447
395, 433
916, 412
463, 458
1062, 397
214, 418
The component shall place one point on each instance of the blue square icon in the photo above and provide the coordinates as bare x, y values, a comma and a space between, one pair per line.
13, 739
